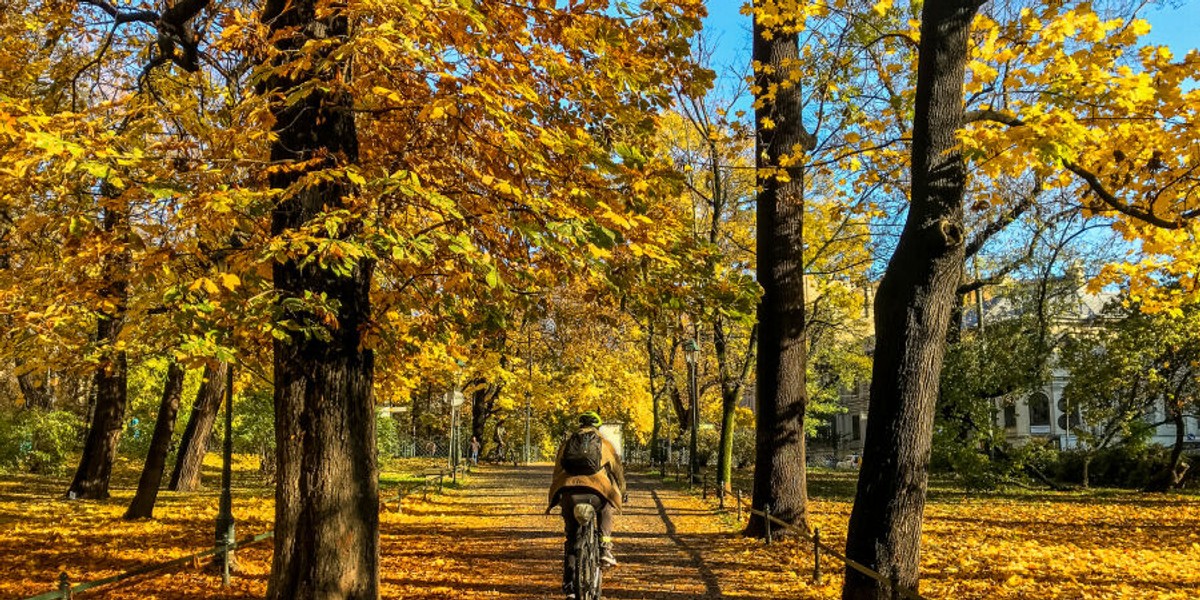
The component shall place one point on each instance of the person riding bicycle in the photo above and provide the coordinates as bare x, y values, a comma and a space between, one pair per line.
587, 470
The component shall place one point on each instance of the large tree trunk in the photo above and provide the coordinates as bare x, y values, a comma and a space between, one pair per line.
37, 393
779, 472
912, 313
185, 477
327, 494
483, 406
108, 414
142, 505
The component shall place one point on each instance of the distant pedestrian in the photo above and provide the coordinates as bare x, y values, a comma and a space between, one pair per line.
475, 450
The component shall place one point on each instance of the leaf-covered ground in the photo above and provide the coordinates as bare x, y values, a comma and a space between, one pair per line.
492, 540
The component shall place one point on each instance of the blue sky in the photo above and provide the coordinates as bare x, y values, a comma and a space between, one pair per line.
1176, 26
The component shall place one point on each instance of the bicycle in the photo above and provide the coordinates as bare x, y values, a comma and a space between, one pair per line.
588, 574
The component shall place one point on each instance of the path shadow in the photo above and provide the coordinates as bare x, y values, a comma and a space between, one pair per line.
712, 587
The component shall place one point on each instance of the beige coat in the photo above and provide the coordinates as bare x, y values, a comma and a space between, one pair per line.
609, 481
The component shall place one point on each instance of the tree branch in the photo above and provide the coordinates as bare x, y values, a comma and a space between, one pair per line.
121, 17
991, 229
1094, 183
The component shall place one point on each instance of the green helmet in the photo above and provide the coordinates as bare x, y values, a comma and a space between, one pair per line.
590, 418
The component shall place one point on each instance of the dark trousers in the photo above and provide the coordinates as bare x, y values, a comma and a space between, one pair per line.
572, 497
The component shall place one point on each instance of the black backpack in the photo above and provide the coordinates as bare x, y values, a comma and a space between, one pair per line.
581, 454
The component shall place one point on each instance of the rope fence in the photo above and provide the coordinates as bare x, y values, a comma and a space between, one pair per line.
769, 520
66, 590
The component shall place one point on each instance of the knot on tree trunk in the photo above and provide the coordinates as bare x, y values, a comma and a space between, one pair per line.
948, 233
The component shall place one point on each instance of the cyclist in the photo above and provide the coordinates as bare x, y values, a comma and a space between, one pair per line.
587, 470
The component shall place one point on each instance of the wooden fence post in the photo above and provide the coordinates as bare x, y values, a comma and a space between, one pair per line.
738, 497
64, 586
704, 488
817, 555
767, 521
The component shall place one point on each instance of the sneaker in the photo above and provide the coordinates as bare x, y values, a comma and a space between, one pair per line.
606, 557
571, 596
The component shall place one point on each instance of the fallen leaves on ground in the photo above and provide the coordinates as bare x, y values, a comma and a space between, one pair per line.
1073, 545
491, 540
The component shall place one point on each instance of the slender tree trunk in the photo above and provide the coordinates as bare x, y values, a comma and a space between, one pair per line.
779, 471
656, 453
419, 402
327, 495
731, 390
725, 457
108, 414
142, 505
1172, 473
185, 477
915, 300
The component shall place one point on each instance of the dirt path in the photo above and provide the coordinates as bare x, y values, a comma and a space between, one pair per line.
492, 540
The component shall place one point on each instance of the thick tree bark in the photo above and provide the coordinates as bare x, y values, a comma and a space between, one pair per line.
142, 506
483, 407
327, 496
37, 394
912, 313
185, 477
108, 415
779, 471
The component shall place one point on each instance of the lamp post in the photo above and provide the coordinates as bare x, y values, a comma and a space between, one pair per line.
456, 398
225, 523
689, 350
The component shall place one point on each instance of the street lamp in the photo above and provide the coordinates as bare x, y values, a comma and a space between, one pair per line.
689, 350
455, 399
225, 524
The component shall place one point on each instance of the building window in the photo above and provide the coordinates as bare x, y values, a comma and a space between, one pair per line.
1039, 410
1010, 416
855, 429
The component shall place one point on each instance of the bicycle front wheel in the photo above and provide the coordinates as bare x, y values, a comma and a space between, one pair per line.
587, 562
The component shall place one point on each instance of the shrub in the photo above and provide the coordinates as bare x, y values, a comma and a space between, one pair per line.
42, 442
1123, 466
387, 436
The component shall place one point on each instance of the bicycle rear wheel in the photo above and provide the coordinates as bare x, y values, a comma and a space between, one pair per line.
587, 556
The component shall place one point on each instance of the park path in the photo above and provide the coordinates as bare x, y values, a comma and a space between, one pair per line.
492, 539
